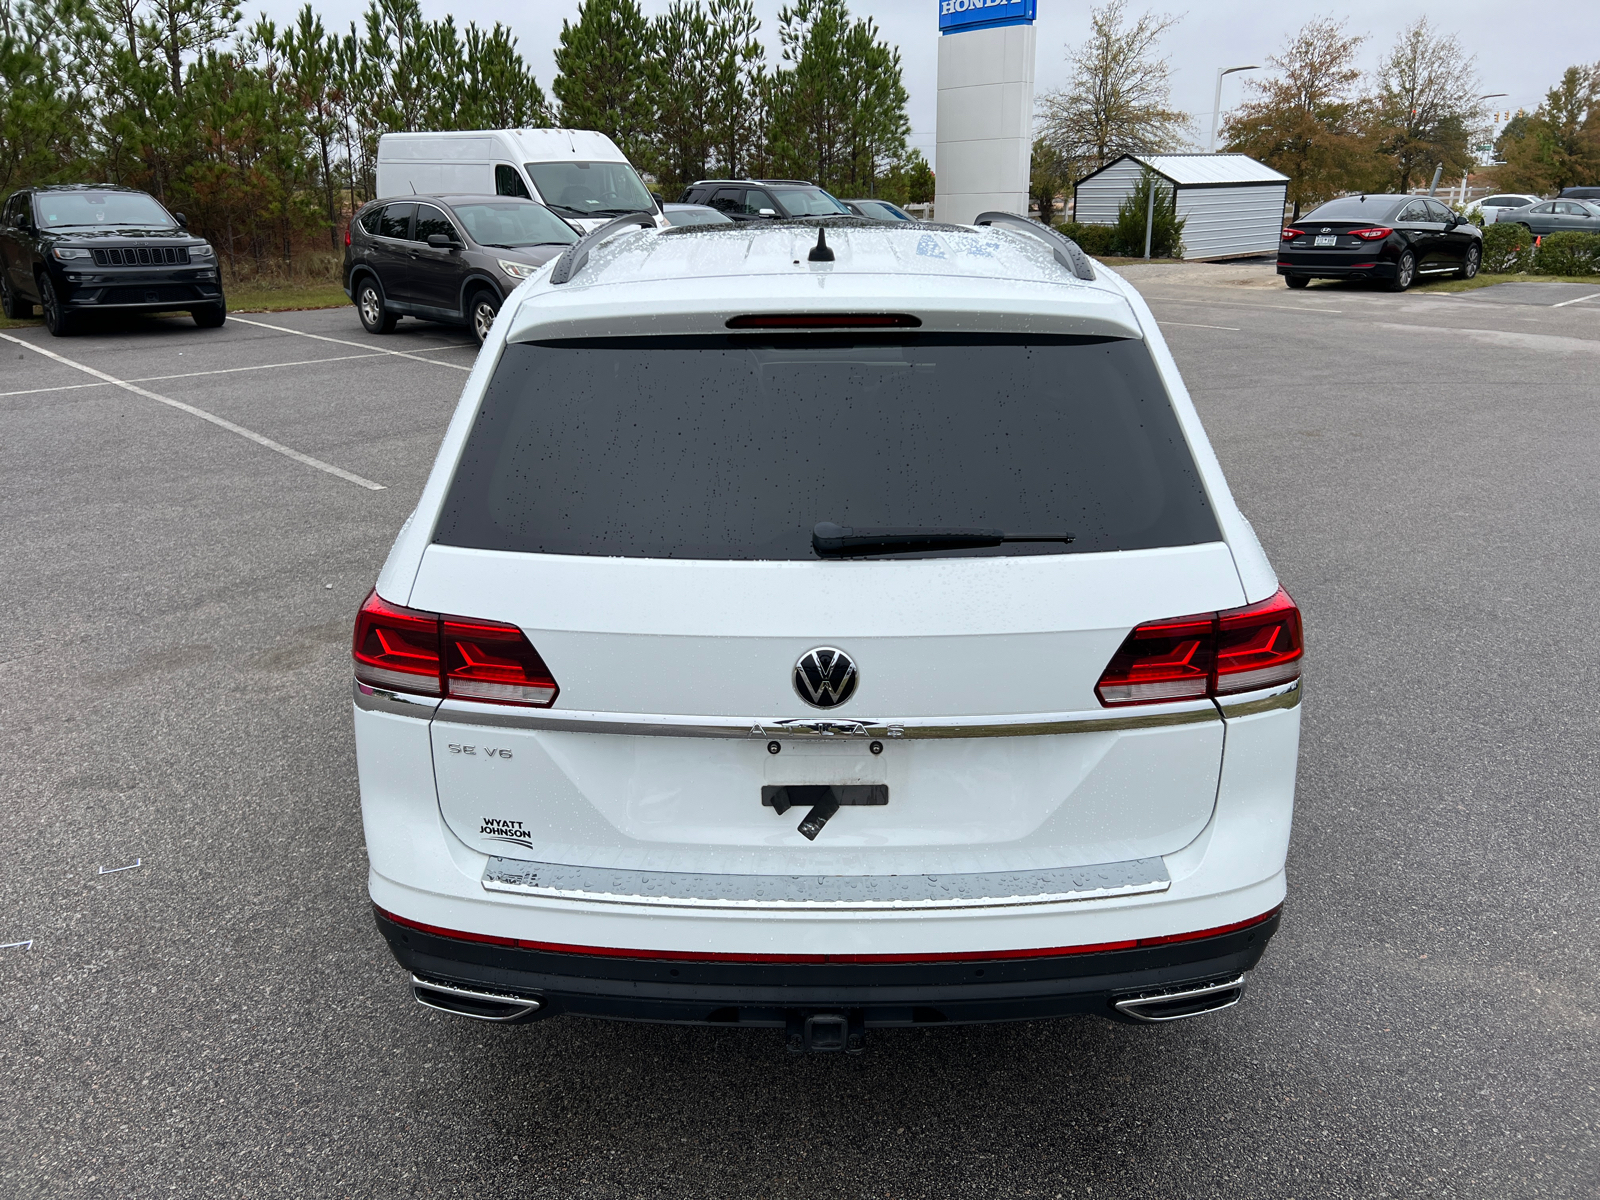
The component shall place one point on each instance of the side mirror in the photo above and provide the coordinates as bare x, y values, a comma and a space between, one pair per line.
441, 241
183, 221
661, 205
767, 212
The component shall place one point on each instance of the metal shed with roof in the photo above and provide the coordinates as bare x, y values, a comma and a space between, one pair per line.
1231, 204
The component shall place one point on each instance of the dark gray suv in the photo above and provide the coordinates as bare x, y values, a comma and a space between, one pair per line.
446, 258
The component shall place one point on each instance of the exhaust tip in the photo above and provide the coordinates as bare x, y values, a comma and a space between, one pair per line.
480, 1004
1182, 1000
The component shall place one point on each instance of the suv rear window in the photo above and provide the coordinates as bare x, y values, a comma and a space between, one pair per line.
734, 447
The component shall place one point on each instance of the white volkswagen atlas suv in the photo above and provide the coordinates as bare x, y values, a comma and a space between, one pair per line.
826, 625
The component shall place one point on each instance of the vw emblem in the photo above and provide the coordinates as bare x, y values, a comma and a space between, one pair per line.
825, 677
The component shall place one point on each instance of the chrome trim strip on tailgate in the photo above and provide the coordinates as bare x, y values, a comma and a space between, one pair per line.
1285, 696
992, 889
459, 712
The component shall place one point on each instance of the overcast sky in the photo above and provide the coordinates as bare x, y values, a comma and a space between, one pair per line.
1514, 57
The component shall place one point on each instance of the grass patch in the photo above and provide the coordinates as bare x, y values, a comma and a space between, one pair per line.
1483, 281
281, 297
7, 323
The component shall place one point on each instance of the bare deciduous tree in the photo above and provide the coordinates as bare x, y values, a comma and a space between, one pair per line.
1119, 99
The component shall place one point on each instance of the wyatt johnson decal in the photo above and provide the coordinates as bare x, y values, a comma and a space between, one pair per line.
501, 830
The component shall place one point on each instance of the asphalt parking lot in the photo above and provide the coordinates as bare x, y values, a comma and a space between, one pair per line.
223, 1020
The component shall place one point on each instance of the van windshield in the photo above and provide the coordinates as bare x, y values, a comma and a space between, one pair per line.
590, 189
512, 223
736, 446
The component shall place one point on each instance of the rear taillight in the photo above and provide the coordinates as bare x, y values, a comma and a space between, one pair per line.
347, 235
1210, 654
1376, 234
1290, 234
458, 657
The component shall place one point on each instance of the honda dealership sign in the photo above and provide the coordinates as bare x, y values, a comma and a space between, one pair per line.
958, 15
985, 123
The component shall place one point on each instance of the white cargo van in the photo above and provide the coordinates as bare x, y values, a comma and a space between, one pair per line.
579, 173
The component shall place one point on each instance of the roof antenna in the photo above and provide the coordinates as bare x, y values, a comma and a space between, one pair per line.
820, 252
413, 188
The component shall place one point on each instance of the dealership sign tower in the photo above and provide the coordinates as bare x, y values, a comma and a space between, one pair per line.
985, 138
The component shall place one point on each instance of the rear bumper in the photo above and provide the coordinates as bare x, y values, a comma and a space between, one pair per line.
967, 989
1368, 269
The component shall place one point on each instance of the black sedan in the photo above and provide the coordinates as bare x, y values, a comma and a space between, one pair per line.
451, 259
74, 249
1395, 239
1555, 216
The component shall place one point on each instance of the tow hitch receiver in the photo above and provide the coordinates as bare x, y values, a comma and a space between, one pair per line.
826, 1032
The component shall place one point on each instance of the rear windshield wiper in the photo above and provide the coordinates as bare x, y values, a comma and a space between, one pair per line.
842, 541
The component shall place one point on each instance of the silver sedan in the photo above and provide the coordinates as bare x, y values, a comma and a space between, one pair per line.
1555, 216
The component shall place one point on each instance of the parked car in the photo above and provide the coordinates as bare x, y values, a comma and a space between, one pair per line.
1591, 194
579, 173
694, 214
764, 199
820, 658
877, 210
452, 259
1555, 216
83, 248
1395, 239
1492, 206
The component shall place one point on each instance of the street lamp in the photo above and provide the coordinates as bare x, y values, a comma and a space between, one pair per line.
1216, 107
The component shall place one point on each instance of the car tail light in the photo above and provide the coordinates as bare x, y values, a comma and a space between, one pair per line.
1376, 234
347, 235
1162, 660
1290, 234
397, 647
1209, 654
445, 656
1258, 646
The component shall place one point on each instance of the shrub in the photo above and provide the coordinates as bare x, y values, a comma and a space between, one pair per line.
1507, 248
1166, 234
1098, 241
1570, 253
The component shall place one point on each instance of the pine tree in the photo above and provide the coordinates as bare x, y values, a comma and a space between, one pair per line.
602, 82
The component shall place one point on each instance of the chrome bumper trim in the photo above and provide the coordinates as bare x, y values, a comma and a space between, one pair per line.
1287, 696
400, 704
457, 712
994, 889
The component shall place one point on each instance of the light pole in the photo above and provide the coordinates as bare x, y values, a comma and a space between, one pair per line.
1485, 96
1216, 107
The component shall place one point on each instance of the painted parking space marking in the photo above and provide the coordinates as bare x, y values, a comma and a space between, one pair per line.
1577, 300
1192, 325
415, 357
1237, 304
304, 362
220, 422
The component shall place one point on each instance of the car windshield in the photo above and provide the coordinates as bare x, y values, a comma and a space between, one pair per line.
114, 210
879, 211
513, 223
808, 202
1356, 208
590, 189
736, 446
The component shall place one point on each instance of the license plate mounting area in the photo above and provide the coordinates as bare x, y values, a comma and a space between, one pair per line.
1327, 239
823, 799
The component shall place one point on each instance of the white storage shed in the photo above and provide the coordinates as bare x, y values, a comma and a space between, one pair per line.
1231, 204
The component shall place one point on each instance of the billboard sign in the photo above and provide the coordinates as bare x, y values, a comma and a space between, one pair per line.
958, 16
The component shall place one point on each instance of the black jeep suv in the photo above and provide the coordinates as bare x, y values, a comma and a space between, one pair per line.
81, 248
452, 259
764, 199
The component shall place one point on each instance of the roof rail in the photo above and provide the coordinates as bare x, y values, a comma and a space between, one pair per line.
576, 255
1068, 253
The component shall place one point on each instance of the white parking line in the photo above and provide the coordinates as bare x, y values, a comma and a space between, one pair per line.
342, 342
221, 422
1577, 300
1237, 304
304, 362
1191, 325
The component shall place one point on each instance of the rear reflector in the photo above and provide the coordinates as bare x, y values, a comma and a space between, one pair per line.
715, 956
1206, 655
438, 655
1376, 234
826, 321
